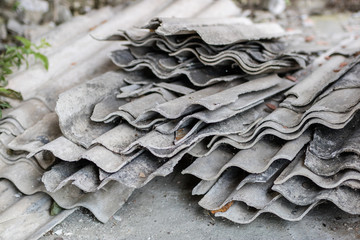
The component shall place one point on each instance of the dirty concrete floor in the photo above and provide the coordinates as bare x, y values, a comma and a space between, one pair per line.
164, 209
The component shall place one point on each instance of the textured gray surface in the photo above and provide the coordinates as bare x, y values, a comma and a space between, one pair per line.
115, 175
29, 212
164, 209
112, 196
235, 29
67, 185
303, 192
298, 168
328, 167
330, 144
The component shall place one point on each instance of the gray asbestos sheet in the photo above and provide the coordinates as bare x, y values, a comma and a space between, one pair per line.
254, 160
136, 173
102, 203
28, 113
343, 102
309, 88
197, 73
165, 209
10, 156
207, 168
242, 142
329, 119
85, 177
203, 187
162, 145
255, 194
106, 159
302, 191
66, 150
118, 138
330, 167
329, 144
9, 128
213, 31
254, 190
133, 90
244, 102
348, 80
41, 133
74, 119
298, 168
240, 212
222, 189
62, 148
249, 65
210, 98
89, 178
30, 213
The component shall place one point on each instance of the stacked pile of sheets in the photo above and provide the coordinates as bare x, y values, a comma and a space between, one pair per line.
217, 92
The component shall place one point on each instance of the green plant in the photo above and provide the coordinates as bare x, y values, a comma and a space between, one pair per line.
16, 6
15, 56
55, 209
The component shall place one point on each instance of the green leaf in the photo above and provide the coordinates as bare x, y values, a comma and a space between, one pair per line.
55, 209
6, 92
18, 59
9, 50
7, 71
15, 56
16, 6
43, 59
43, 44
24, 41
4, 105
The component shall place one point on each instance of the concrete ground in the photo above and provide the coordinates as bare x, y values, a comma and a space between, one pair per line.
165, 209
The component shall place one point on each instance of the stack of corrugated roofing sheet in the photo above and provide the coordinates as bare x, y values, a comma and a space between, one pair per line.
101, 158
74, 58
213, 92
282, 172
242, 156
120, 135
194, 48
